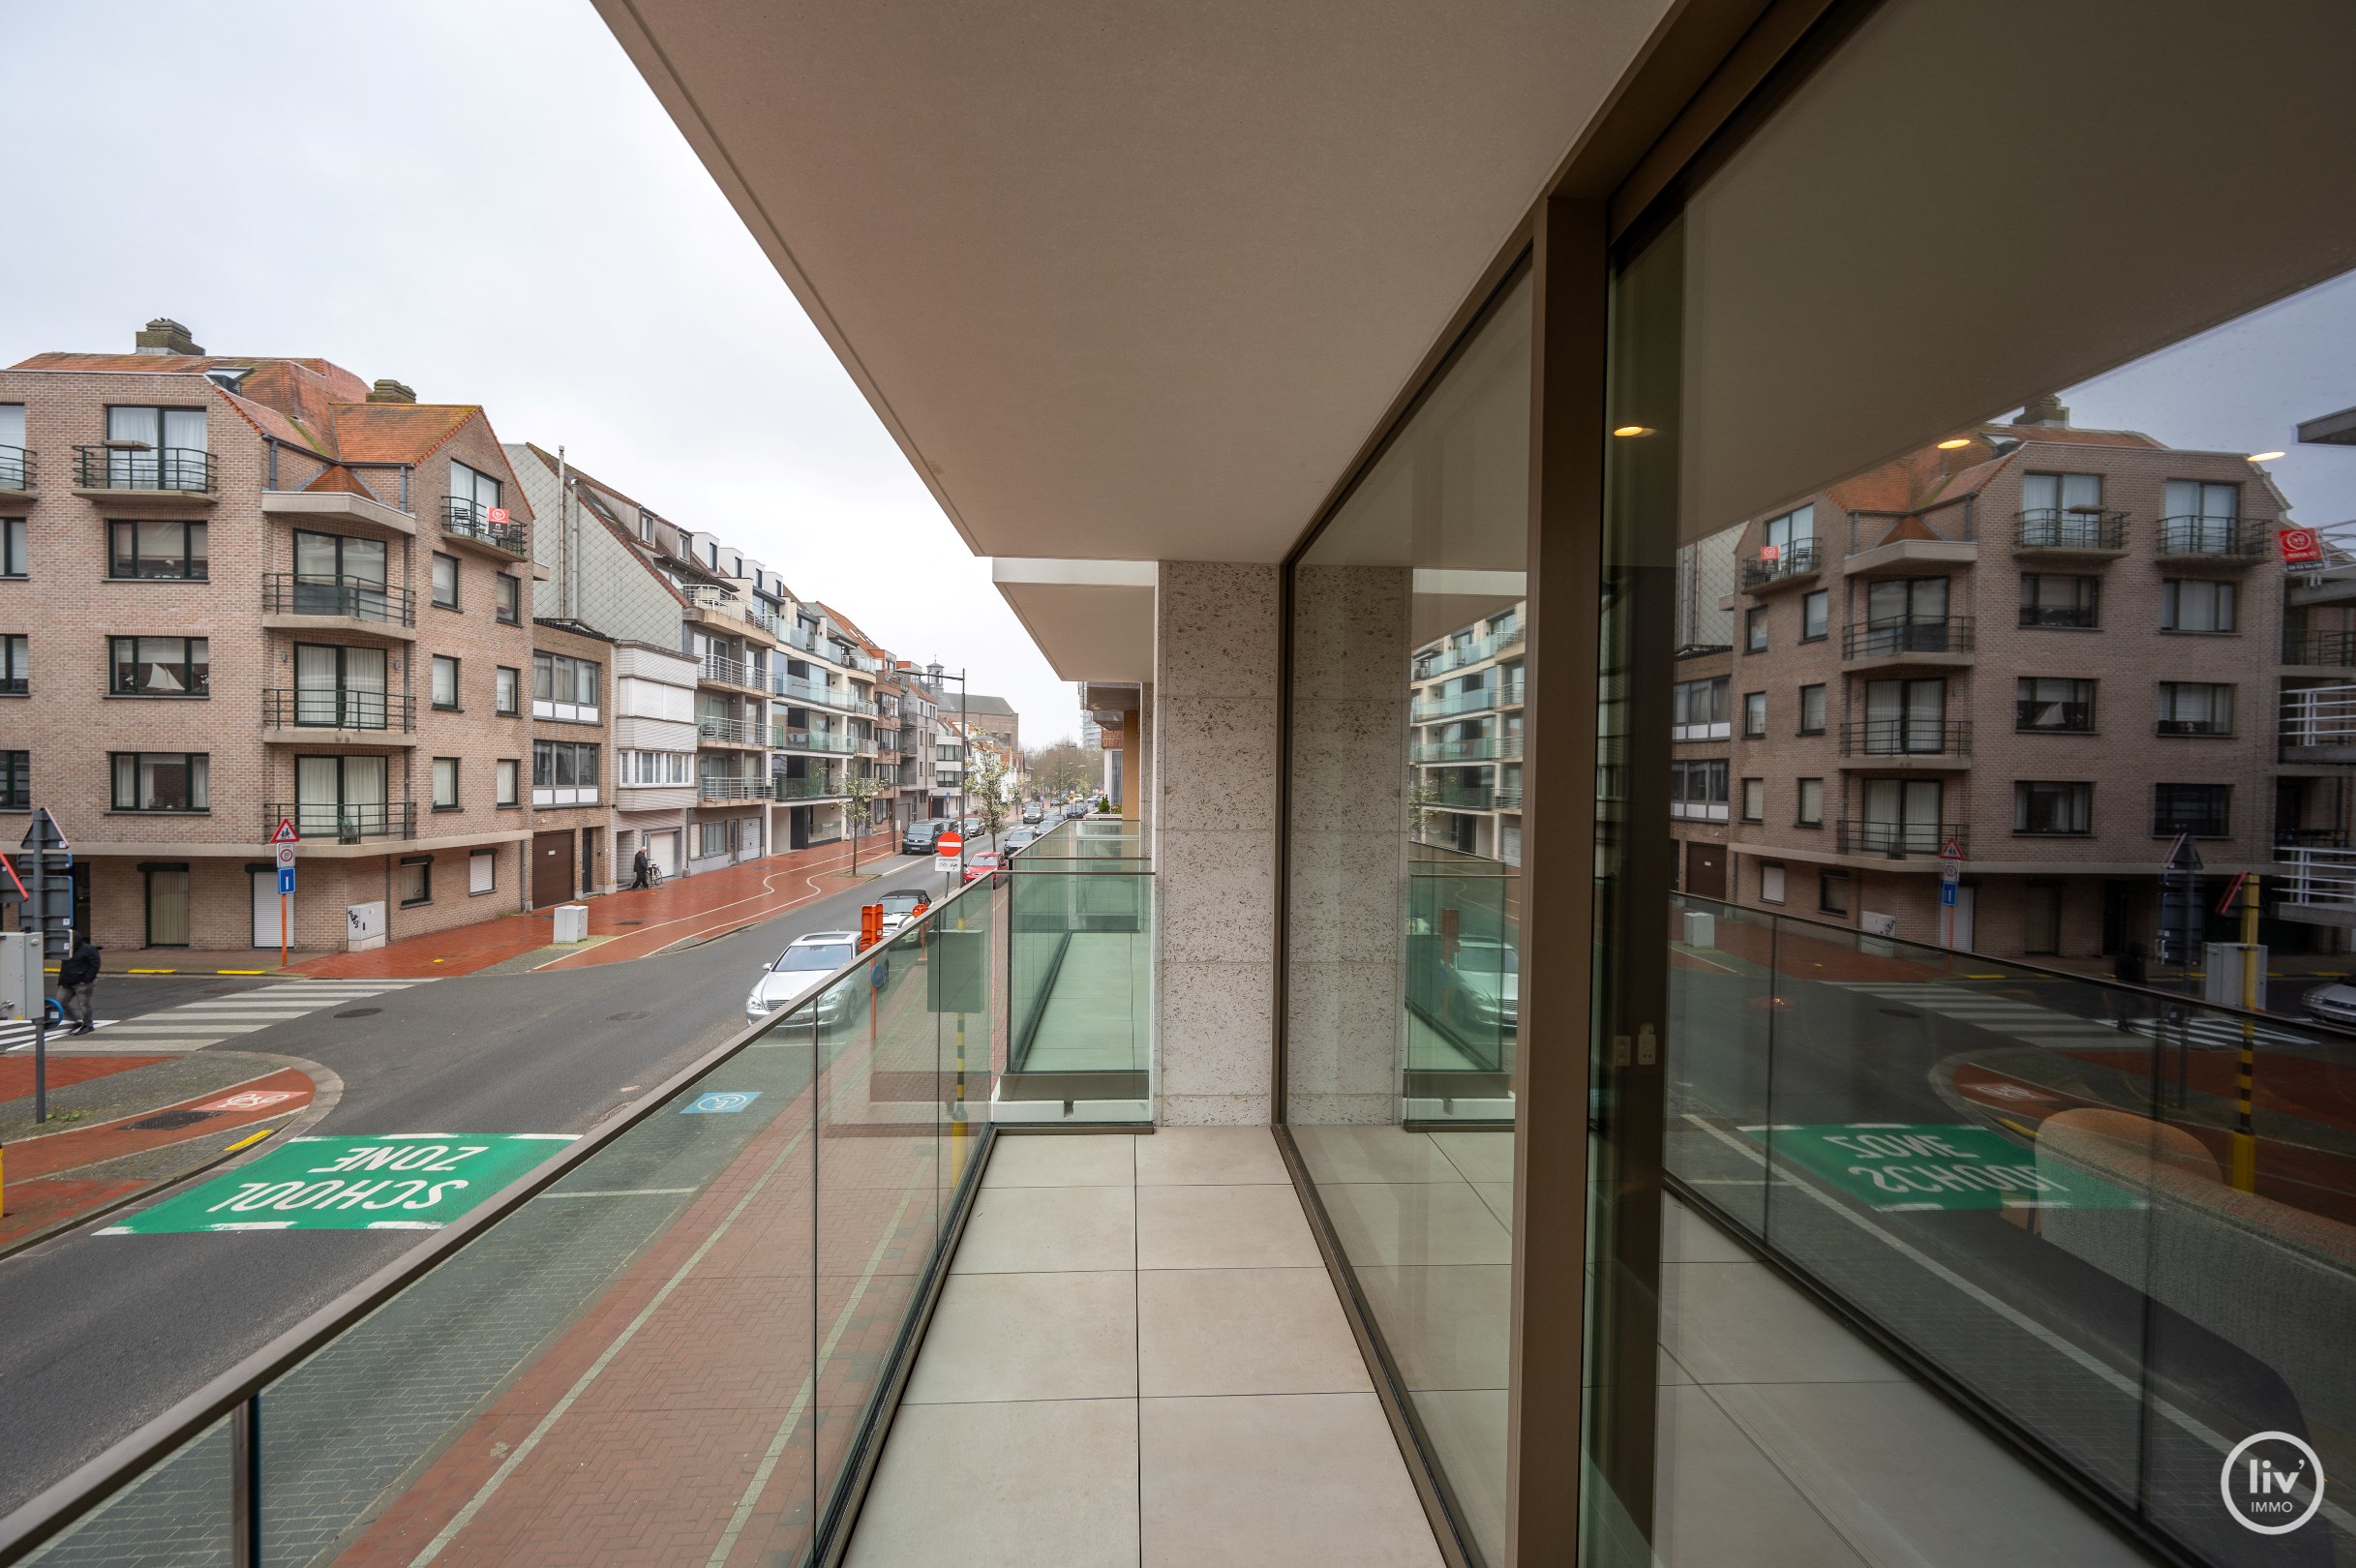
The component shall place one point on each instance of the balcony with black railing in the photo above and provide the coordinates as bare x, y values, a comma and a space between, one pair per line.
19, 475
1871, 836
470, 522
338, 708
714, 729
343, 822
1898, 740
2330, 650
712, 787
114, 471
1780, 566
1918, 642
2223, 541
2069, 530
361, 599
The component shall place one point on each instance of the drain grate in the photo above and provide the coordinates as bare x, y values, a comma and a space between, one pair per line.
630, 922
627, 1017
165, 1121
359, 1013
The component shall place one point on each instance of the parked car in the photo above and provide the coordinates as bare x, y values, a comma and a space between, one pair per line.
1020, 838
984, 864
919, 836
798, 969
2334, 1004
902, 906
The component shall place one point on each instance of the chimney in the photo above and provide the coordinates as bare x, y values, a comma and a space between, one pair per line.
164, 336
2044, 410
387, 390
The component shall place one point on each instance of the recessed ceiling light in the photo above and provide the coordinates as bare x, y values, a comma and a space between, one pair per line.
2264, 457
1633, 429
1950, 445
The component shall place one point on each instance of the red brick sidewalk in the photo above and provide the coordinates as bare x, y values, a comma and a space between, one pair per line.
684, 908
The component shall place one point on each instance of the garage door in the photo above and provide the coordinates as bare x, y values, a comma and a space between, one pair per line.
551, 869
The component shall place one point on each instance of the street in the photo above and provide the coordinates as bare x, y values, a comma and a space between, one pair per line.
106, 1331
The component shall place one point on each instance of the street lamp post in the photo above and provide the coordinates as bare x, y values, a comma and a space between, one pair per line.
964, 751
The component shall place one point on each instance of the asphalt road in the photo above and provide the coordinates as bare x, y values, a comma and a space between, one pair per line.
103, 1333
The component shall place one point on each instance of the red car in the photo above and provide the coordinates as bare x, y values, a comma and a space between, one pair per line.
984, 864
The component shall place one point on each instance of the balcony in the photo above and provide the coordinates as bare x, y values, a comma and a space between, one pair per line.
822, 787
1493, 748
737, 614
2320, 650
338, 716
2086, 533
1777, 567
107, 471
715, 731
338, 506
1911, 556
719, 670
298, 602
1476, 650
826, 742
2319, 726
1475, 797
1905, 746
468, 523
1865, 835
2315, 884
818, 694
19, 475
1479, 700
712, 787
334, 822
1899, 645
2214, 541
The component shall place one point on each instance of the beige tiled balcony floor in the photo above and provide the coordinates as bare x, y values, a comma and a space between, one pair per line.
1138, 1359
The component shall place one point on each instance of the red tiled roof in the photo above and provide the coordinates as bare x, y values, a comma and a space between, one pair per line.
396, 432
338, 477
2071, 436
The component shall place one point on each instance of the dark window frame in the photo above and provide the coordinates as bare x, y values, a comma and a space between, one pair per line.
2085, 699
15, 548
457, 799
196, 690
1828, 878
507, 599
2170, 816
425, 880
434, 585
16, 780
189, 572
458, 689
2087, 586
2077, 796
193, 763
1824, 704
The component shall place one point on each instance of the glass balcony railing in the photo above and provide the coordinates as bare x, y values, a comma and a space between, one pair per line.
777, 1216
2117, 1223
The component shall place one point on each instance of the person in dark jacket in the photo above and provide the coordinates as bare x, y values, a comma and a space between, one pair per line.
78, 979
642, 865
2129, 968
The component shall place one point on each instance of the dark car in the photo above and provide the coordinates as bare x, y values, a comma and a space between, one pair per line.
919, 836
1035, 812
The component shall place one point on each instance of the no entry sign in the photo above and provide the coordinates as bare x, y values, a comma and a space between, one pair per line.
949, 844
407, 1182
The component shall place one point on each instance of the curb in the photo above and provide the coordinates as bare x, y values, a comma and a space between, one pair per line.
327, 1089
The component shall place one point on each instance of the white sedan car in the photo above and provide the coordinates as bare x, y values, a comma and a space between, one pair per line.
798, 969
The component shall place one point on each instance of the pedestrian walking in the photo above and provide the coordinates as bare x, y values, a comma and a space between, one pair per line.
641, 867
78, 979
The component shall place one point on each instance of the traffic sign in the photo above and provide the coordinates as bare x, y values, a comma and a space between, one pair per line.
2233, 894
285, 856
44, 833
1947, 894
949, 844
402, 1182
1951, 872
1952, 849
286, 833
2300, 547
286, 881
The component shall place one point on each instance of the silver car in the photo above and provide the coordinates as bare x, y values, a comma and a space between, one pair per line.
2334, 1004
798, 969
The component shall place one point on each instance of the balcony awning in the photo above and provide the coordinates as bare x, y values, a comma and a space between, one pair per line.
1094, 619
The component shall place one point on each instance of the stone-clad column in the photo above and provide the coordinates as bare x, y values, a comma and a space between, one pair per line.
1211, 722
1345, 976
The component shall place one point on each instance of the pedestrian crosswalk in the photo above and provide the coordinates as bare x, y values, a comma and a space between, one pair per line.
2034, 1025
209, 1021
17, 1034
2006, 1016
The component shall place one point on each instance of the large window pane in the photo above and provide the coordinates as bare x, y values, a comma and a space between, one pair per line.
2042, 469
1404, 973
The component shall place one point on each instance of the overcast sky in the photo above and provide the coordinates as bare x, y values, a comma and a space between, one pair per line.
481, 199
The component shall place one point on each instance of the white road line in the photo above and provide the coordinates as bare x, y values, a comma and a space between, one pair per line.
626, 1191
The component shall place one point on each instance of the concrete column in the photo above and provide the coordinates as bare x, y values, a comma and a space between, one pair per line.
1346, 977
1208, 771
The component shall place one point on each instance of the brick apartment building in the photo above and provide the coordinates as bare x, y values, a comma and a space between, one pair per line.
2056, 647
239, 590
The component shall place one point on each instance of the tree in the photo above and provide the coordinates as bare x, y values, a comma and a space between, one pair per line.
861, 790
1061, 769
1422, 798
985, 778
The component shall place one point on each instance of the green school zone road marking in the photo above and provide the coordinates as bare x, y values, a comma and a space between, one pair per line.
404, 1181
1893, 1165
